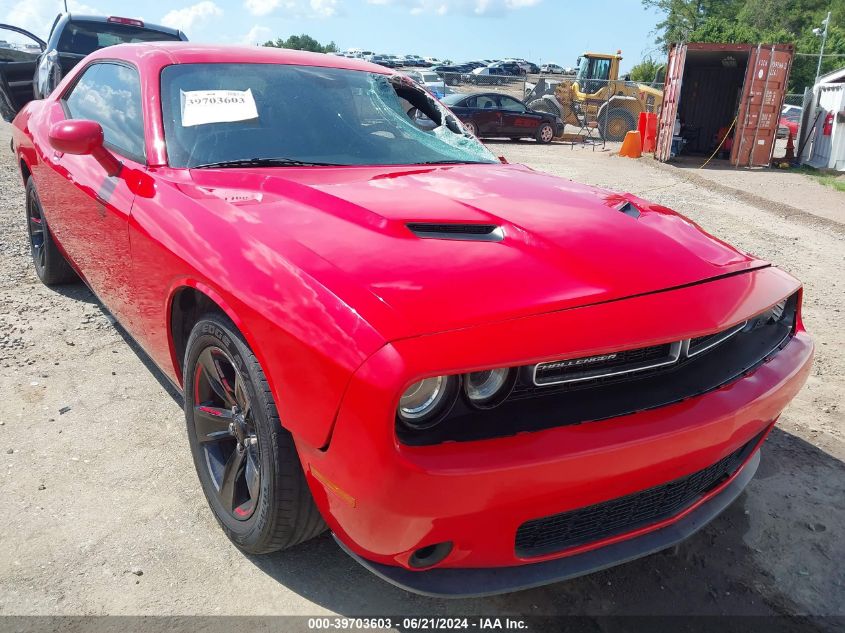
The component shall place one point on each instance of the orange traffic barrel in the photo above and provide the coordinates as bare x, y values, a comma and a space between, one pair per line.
648, 131
632, 146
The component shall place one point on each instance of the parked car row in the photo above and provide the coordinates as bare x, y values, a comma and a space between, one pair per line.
515, 66
390, 61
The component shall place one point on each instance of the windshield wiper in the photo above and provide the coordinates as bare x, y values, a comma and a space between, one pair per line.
266, 162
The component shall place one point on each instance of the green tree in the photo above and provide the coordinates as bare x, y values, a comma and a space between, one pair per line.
302, 43
680, 18
646, 70
759, 21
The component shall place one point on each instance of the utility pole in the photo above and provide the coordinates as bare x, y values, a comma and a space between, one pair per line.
823, 34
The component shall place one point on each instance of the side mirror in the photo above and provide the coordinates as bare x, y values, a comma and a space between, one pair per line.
80, 137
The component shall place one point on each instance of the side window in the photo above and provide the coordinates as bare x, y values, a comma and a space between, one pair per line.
467, 103
110, 94
511, 105
486, 103
602, 69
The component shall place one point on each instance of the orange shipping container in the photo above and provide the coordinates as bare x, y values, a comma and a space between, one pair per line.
711, 86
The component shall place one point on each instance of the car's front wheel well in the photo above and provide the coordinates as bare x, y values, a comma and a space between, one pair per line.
189, 305
25, 171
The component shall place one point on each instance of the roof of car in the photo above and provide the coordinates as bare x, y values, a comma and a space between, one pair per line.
166, 53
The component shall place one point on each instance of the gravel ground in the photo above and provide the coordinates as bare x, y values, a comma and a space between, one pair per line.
103, 513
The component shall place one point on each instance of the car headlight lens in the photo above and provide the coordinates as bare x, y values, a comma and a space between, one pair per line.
489, 387
425, 403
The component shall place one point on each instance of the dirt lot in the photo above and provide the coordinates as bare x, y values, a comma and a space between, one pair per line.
103, 514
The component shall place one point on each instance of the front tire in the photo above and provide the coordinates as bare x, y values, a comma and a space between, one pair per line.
616, 123
471, 127
50, 265
247, 463
545, 134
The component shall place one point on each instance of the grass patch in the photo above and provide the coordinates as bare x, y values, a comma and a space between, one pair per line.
828, 179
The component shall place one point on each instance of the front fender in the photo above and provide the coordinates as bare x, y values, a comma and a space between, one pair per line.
309, 342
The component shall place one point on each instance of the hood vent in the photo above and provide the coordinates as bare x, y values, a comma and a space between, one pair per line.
629, 209
465, 232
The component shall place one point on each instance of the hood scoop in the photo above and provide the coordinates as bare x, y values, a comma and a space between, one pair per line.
629, 209
463, 232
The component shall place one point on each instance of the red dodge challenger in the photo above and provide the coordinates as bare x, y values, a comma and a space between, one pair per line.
479, 377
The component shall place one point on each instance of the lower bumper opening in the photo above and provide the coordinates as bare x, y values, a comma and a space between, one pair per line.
559, 532
476, 582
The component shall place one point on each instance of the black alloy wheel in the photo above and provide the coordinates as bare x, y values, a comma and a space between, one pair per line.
225, 430
247, 462
35, 226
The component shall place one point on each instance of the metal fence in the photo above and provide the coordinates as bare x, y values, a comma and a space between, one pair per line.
794, 99
792, 120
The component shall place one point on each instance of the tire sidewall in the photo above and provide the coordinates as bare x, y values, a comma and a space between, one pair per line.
32, 198
212, 332
617, 113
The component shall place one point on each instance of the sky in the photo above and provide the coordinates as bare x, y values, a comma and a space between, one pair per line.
541, 31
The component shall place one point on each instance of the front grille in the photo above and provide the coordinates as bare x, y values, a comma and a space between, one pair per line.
591, 367
618, 516
702, 343
618, 383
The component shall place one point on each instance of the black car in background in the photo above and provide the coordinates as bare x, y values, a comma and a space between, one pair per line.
489, 115
506, 68
384, 60
31, 68
451, 74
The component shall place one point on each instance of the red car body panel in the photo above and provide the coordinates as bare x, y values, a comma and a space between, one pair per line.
369, 208
790, 125
344, 308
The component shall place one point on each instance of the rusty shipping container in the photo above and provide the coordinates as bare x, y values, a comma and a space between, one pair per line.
711, 87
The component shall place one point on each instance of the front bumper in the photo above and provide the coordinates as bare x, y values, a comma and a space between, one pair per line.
384, 500
473, 583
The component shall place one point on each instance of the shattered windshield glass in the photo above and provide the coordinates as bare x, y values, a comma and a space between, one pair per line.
216, 113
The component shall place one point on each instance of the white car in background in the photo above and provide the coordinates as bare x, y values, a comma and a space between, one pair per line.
431, 81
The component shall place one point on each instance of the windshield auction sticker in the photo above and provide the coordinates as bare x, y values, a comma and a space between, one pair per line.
200, 107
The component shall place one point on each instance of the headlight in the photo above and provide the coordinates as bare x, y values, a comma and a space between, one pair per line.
426, 402
488, 388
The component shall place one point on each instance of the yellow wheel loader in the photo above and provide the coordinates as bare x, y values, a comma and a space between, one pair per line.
596, 96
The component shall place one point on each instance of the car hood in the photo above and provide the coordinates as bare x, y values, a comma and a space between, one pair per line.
565, 244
